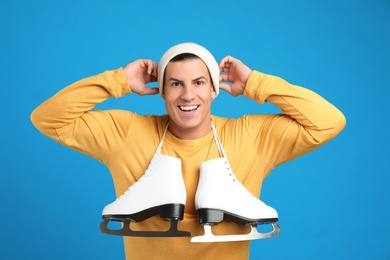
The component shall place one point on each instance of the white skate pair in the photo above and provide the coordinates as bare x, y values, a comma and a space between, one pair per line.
219, 196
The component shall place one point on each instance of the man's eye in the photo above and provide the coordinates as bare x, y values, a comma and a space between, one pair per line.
199, 83
176, 84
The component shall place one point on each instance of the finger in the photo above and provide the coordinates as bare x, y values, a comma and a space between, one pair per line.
150, 91
226, 87
225, 63
149, 67
224, 78
225, 60
154, 72
154, 68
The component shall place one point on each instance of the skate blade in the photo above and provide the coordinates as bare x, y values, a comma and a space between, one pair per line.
252, 235
126, 231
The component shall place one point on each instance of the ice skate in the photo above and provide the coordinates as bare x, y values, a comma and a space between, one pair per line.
160, 191
220, 196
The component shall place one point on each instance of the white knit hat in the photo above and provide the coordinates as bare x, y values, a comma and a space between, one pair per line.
193, 48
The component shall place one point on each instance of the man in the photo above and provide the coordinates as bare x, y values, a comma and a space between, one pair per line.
188, 80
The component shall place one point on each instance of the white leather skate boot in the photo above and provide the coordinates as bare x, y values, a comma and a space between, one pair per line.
160, 191
220, 196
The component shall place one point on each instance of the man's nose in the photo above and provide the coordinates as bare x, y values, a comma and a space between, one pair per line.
188, 93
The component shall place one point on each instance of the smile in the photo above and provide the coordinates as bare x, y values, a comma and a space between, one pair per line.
188, 108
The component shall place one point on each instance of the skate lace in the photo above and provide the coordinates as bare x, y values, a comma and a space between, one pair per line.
149, 169
229, 169
142, 179
235, 180
145, 176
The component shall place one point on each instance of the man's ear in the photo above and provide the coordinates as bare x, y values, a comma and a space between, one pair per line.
213, 94
163, 93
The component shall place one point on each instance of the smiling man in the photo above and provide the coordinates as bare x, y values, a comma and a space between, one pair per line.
178, 174
188, 92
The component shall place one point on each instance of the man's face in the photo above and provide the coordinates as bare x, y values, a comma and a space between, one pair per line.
188, 92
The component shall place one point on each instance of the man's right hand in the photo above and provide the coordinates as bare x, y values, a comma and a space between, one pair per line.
140, 72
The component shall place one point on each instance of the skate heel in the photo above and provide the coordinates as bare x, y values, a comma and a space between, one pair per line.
210, 216
171, 211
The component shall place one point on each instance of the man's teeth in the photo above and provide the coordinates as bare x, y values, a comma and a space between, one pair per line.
188, 108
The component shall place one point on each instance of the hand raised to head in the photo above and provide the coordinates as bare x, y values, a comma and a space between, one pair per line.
236, 72
140, 72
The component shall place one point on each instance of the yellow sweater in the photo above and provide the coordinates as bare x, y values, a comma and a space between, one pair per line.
126, 142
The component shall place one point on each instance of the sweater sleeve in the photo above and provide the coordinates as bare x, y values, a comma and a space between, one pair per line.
307, 122
68, 118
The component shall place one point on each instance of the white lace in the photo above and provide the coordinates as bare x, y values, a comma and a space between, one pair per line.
229, 169
149, 169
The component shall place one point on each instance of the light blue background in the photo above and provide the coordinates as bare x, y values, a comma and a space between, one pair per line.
333, 203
